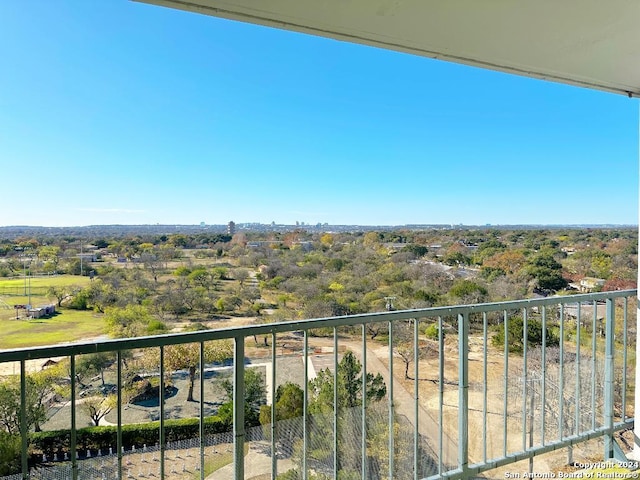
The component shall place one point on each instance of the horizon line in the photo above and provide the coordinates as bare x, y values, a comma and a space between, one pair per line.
316, 225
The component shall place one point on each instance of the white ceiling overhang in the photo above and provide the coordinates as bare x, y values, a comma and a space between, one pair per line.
589, 43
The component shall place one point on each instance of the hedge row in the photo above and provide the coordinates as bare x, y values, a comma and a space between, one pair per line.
101, 438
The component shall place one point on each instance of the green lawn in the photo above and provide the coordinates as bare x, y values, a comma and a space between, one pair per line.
12, 292
65, 326
52, 281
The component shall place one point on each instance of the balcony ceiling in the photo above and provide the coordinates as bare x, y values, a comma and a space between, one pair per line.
589, 43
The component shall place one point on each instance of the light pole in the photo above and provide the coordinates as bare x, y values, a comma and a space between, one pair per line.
24, 271
29, 289
27, 280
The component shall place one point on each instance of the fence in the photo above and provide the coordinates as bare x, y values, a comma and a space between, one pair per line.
468, 389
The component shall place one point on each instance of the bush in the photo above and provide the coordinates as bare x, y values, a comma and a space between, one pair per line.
515, 334
80, 300
9, 453
103, 437
432, 332
156, 327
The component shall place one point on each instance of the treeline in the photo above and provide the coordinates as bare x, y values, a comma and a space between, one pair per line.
300, 274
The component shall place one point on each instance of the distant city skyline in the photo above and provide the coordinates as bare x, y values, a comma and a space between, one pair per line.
125, 113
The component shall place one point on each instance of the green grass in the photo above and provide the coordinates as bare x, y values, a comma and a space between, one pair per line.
65, 326
219, 461
12, 292
52, 281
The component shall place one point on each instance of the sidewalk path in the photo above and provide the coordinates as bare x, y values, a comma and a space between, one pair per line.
257, 462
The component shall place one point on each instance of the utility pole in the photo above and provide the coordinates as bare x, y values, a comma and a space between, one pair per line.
29, 287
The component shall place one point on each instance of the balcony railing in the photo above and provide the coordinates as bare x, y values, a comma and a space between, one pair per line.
466, 389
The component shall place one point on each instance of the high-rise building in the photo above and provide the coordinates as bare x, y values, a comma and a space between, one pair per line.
231, 228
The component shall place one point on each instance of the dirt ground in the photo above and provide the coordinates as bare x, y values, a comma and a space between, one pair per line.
517, 439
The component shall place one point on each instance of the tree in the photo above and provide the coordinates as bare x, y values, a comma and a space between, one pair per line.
153, 263
98, 407
10, 401
130, 321
46, 384
349, 384
201, 277
560, 396
509, 261
10, 447
103, 293
417, 250
456, 258
546, 271
187, 356
255, 395
50, 255
467, 291
221, 273
321, 391
60, 293
228, 303
371, 239
403, 335
288, 406
327, 240
515, 335
95, 363
241, 274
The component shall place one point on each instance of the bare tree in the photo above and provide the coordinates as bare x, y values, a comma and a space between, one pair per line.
559, 390
98, 407
404, 346
241, 274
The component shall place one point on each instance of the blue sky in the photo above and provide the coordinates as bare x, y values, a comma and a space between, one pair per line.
120, 112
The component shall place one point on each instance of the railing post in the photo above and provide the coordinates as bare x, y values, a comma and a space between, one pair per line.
636, 406
201, 362
363, 446
441, 461
525, 378
72, 443
162, 413
543, 381
335, 403
463, 391
561, 385
392, 447
238, 407
416, 401
23, 421
274, 459
305, 405
608, 379
505, 408
485, 326
594, 344
119, 410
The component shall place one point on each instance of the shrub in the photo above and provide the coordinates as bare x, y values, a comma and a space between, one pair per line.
515, 332
432, 332
9, 453
156, 327
103, 437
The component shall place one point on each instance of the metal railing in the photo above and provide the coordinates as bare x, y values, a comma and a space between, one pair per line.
467, 389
